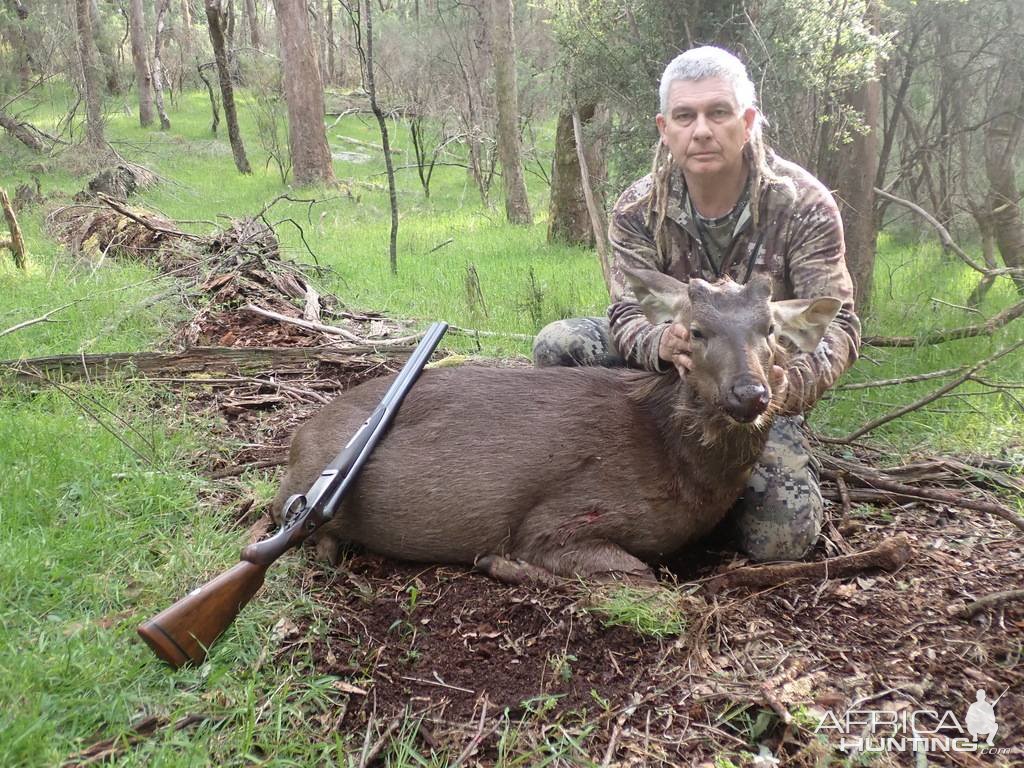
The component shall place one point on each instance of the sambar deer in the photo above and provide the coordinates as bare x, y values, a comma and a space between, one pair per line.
591, 472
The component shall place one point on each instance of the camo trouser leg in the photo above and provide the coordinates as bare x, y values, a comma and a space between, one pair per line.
779, 516
576, 341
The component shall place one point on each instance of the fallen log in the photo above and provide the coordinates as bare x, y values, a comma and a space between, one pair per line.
889, 556
197, 360
21, 133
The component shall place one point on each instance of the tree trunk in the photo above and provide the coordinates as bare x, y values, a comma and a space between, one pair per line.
330, 43
568, 220
1003, 135
304, 93
385, 143
213, 19
254, 29
92, 76
158, 67
185, 41
137, 28
108, 57
517, 205
855, 189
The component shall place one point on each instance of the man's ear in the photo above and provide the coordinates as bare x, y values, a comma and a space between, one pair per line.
803, 321
662, 298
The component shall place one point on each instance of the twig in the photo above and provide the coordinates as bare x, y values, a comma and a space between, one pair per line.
477, 737
901, 380
370, 755
103, 750
239, 469
886, 418
990, 601
613, 742
439, 683
41, 319
309, 326
889, 555
974, 310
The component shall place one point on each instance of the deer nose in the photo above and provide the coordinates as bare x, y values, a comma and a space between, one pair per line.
748, 399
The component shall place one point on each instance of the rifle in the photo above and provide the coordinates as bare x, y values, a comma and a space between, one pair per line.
182, 633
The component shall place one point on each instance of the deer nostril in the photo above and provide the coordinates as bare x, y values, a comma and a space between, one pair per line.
751, 393
748, 400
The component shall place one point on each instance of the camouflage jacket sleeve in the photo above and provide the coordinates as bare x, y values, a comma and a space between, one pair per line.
817, 267
632, 244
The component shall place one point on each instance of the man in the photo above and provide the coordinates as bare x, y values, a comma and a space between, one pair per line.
717, 204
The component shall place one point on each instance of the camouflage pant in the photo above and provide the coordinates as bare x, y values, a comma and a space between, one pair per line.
779, 516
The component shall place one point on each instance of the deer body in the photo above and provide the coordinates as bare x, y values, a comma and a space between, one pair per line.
571, 471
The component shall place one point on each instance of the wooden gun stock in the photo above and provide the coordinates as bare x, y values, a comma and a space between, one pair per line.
181, 634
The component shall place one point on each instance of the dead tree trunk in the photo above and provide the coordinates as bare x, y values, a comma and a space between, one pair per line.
227, 91
92, 77
158, 67
1003, 135
304, 93
384, 140
21, 133
568, 219
143, 83
517, 205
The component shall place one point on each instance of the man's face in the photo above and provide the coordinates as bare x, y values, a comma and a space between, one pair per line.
705, 129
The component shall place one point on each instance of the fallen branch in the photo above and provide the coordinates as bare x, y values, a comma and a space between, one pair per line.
21, 133
890, 555
970, 610
952, 498
952, 334
935, 395
333, 330
149, 224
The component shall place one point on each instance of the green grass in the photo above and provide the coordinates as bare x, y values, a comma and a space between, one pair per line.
99, 535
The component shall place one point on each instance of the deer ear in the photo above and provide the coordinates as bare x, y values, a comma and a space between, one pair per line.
662, 298
803, 321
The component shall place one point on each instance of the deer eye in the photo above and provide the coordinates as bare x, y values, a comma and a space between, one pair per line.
771, 330
696, 334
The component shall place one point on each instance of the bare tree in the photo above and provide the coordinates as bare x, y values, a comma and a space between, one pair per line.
92, 77
214, 21
137, 29
517, 204
158, 66
304, 93
371, 88
1003, 134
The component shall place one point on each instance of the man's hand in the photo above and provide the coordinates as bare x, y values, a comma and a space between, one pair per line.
675, 348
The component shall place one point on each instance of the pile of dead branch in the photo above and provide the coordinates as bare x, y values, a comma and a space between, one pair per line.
241, 289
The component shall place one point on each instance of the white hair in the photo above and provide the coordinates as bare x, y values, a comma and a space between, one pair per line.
706, 62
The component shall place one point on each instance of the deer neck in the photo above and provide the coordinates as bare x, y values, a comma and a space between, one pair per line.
697, 435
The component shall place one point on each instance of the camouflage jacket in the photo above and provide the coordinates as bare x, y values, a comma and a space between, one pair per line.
799, 243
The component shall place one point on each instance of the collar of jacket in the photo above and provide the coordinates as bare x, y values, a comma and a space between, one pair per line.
679, 208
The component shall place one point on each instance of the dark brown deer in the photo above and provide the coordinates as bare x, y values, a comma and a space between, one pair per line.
529, 473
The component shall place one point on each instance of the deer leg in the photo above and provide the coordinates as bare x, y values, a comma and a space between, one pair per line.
515, 572
596, 560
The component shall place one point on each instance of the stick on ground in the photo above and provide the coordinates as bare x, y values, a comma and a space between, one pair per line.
889, 555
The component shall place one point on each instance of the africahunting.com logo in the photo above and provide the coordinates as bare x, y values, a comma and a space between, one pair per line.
918, 730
